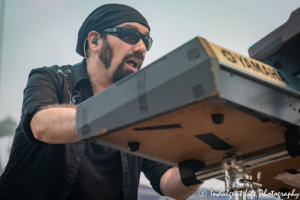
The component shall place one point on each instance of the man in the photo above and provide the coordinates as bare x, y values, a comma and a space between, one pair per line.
47, 160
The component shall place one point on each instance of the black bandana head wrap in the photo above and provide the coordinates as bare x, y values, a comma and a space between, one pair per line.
107, 16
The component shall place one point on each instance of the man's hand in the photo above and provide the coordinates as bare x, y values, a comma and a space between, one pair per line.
171, 185
55, 125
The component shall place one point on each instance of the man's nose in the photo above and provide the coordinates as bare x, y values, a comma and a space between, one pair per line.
140, 46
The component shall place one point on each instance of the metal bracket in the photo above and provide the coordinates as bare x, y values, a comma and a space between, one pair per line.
236, 178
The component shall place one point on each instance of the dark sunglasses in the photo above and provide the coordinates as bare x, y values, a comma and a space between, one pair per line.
130, 36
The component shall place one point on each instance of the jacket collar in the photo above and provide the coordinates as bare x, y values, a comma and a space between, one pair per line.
79, 73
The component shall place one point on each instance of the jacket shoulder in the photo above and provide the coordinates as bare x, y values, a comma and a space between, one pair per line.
55, 72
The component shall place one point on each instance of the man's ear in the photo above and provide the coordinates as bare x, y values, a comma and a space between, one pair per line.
94, 41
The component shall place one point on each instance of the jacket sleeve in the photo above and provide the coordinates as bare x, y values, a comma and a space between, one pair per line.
41, 90
154, 171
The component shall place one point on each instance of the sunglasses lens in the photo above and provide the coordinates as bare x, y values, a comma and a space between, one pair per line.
134, 37
148, 42
129, 36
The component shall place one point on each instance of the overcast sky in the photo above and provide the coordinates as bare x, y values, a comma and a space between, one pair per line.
41, 33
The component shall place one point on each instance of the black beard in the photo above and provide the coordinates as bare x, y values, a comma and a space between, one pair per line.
120, 71
106, 55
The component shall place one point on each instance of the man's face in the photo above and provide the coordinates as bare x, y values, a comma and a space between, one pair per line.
121, 58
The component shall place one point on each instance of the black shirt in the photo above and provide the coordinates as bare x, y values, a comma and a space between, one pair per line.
100, 177
36, 170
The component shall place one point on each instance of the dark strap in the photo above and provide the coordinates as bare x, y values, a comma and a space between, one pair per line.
292, 139
187, 170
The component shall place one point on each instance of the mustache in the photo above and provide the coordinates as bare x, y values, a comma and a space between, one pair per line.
134, 55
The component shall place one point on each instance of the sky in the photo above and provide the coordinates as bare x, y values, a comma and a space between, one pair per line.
41, 33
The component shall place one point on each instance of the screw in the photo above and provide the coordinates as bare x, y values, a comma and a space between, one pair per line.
228, 162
